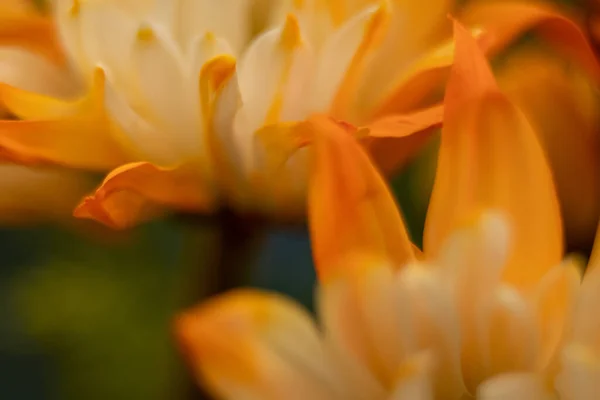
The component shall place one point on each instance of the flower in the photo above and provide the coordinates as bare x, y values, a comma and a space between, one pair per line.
177, 97
183, 100
488, 310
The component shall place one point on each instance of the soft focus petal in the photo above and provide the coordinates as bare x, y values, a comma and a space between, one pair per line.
505, 20
490, 158
351, 210
561, 103
413, 130
28, 71
34, 195
273, 76
343, 62
364, 318
414, 379
22, 27
415, 81
133, 192
253, 345
514, 386
554, 303
579, 378
70, 133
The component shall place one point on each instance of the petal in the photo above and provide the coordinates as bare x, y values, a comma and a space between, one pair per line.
256, 345
435, 324
490, 158
29, 71
579, 378
409, 83
554, 302
74, 134
364, 318
31, 31
505, 20
517, 386
273, 76
167, 102
133, 193
585, 326
343, 59
229, 19
415, 380
351, 210
558, 98
32, 195
413, 129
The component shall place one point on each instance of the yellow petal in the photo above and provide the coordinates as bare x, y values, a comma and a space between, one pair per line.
490, 158
74, 134
256, 345
351, 210
505, 20
135, 192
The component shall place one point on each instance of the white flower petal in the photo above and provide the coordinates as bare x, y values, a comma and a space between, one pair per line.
107, 35
273, 76
168, 101
338, 54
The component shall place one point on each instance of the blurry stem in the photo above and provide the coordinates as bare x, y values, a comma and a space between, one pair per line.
238, 239
225, 265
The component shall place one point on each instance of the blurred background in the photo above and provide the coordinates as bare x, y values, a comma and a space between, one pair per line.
85, 312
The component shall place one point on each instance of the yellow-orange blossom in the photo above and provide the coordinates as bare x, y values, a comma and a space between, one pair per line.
489, 310
182, 103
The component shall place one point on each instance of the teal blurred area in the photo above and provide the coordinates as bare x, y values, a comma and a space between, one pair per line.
89, 317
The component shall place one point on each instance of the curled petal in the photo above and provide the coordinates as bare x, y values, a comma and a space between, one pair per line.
351, 210
135, 192
506, 20
490, 157
413, 130
253, 345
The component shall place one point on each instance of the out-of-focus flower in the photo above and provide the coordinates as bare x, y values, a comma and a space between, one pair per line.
183, 123
182, 99
486, 311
